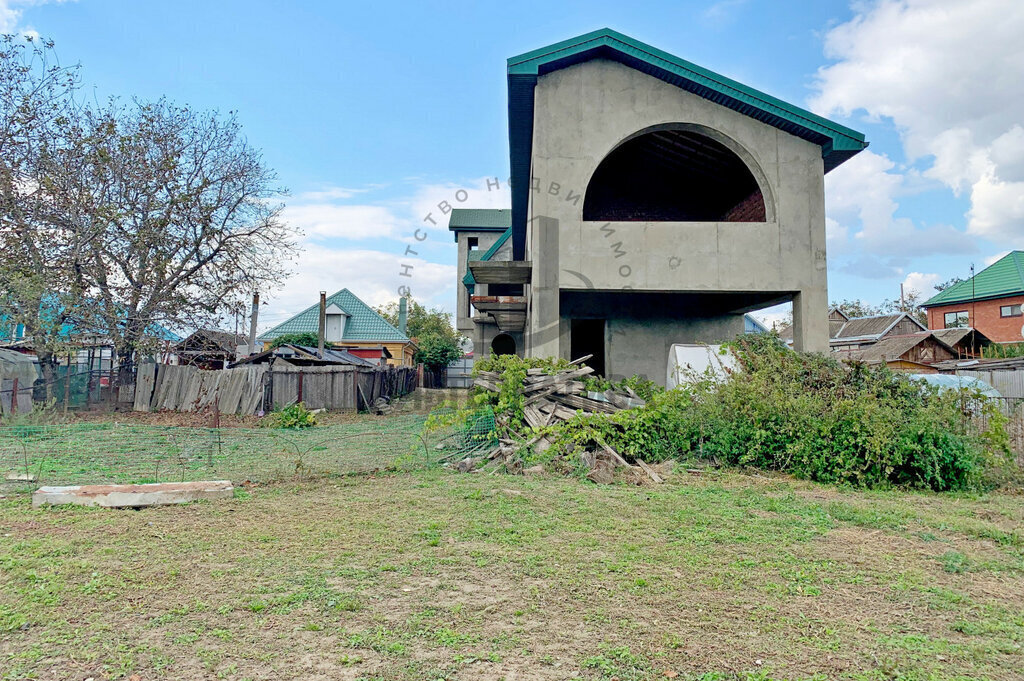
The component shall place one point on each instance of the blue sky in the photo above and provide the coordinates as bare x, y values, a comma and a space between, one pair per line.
372, 113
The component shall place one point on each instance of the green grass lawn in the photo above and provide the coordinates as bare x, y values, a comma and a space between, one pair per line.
438, 575
108, 452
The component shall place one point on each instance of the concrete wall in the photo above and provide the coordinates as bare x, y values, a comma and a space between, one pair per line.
463, 318
640, 345
581, 114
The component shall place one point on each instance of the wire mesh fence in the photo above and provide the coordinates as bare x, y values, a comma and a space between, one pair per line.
96, 453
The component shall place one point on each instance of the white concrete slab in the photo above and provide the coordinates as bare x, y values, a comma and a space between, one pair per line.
133, 496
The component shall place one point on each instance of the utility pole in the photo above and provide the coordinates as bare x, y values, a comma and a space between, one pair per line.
323, 324
255, 317
972, 322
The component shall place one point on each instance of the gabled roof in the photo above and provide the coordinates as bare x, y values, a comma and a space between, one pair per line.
892, 347
952, 337
479, 220
362, 324
303, 354
1004, 277
213, 338
837, 142
873, 327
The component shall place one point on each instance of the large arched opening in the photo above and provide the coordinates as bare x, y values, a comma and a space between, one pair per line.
674, 175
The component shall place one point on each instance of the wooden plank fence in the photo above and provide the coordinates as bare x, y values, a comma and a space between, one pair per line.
250, 389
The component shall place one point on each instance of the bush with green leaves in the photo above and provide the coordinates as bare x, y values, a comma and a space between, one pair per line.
811, 416
293, 416
307, 339
436, 351
511, 369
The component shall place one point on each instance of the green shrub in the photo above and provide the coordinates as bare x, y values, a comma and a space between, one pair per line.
307, 339
810, 416
293, 416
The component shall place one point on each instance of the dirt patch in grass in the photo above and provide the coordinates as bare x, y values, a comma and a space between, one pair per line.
436, 575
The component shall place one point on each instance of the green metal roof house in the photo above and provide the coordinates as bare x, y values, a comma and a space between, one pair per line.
653, 202
991, 302
351, 323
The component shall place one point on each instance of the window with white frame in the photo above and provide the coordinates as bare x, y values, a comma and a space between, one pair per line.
956, 320
1010, 311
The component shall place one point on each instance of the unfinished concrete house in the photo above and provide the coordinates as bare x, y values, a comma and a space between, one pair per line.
653, 202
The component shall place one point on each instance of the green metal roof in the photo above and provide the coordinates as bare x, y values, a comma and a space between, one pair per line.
468, 280
837, 142
363, 323
1004, 277
479, 220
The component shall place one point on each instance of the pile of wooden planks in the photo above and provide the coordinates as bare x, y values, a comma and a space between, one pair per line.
547, 399
559, 396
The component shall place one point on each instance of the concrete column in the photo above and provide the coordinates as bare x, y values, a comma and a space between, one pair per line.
810, 321
543, 324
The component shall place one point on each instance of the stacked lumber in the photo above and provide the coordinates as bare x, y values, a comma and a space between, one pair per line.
558, 397
549, 398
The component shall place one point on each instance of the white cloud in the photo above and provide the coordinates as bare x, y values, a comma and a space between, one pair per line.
948, 74
430, 199
864, 190
330, 194
923, 284
11, 12
776, 316
330, 220
993, 258
374, 276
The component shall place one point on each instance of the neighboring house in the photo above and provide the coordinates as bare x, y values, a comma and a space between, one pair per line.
303, 356
351, 323
377, 355
836, 319
209, 349
991, 301
965, 342
902, 352
653, 202
751, 325
857, 332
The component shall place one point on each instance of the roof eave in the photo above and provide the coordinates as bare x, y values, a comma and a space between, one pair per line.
838, 143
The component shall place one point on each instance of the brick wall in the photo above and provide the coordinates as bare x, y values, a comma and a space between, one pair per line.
985, 318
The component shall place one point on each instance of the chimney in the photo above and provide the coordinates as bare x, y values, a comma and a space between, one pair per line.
403, 314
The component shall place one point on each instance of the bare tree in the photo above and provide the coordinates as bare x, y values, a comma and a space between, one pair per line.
189, 225
40, 239
116, 219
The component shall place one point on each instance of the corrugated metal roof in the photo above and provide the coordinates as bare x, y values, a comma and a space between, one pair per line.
888, 348
872, 327
362, 324
483, 219
1004, 277
837, 142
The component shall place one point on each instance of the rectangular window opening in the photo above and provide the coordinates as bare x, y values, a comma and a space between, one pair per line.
956, 320
1010, 311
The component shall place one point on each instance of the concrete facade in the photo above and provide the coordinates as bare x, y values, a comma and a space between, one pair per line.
582, 113
704, 201
485, 239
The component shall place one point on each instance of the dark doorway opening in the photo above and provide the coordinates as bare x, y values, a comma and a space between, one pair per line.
587, 338
503, 344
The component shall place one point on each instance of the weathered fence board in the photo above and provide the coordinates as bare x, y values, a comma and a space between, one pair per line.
248, 389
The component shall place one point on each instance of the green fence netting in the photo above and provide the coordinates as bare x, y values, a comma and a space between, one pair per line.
94, 453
